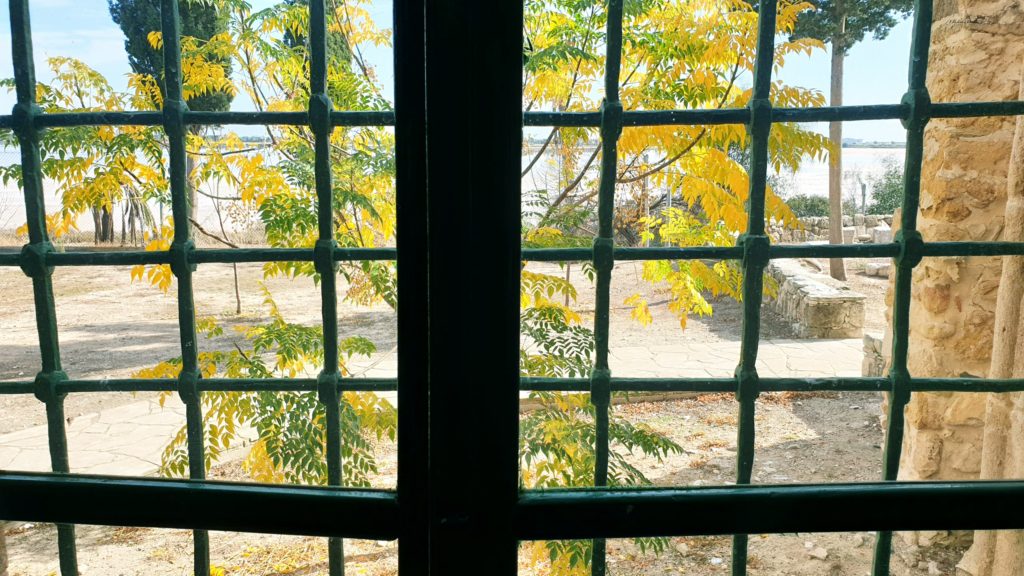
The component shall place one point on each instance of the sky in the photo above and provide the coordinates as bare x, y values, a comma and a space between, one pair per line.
876, 71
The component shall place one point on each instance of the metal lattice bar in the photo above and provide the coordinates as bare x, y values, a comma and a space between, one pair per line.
174, 108
598, 513
540, 119
755, 257
33, 262
911, 252
530, 384
619, 254
604, 262
327, 382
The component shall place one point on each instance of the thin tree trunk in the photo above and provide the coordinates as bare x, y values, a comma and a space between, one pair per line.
234, 266
835, 165
97, 225
106, 225
1002, 455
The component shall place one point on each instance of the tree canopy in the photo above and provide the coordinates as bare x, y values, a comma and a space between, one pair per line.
200, 19
691, 54
843, 23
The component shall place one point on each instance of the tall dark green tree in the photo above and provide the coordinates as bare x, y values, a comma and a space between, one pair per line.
200, 19
338, 52
841, 24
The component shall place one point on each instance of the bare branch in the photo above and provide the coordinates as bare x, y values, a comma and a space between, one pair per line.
209, 234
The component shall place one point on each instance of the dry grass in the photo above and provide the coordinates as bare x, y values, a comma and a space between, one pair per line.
712, 444
719, 419
127, 535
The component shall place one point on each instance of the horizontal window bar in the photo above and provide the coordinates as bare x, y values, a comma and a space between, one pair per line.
966, 385
235, 507
99, 258
151, 118
840, 113
837, 384
580, 119
776, 251
629, 254
236, 255
622, 513
201, 256
975, 109
833, 250
232, 255
973, 249
829, 384
532, 384
205, 385
742, 115
67, 119
592, 119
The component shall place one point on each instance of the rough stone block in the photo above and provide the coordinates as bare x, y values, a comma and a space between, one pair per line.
877, 269
848, 233
881, 234
874, 361
816, 305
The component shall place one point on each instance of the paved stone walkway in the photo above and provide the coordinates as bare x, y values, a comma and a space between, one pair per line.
129, 439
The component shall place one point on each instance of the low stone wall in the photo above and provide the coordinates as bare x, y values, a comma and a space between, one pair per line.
875, 356
815, 305
857, 229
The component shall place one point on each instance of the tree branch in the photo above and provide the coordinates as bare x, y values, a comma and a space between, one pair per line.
209, 234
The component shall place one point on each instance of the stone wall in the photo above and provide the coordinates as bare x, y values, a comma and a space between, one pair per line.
876, 358
976, 55
858, 228
815, 305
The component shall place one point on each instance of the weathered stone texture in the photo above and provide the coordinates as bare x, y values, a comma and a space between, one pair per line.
977, 53
815, 305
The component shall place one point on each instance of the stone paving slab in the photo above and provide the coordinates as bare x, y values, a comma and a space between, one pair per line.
128, 440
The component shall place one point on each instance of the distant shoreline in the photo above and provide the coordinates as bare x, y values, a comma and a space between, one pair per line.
895, 145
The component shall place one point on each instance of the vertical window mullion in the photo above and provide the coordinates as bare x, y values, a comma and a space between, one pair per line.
604, 244
323, 256
33, 263
911, 249
755, 258
411, 239
182, 248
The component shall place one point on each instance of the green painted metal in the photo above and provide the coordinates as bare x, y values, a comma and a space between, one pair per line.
604, 261
438, 518
34, 262
174, 109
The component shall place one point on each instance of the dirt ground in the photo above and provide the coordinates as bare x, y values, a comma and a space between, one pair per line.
800, 438
112, 327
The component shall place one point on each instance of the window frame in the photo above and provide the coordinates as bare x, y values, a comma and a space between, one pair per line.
458, 507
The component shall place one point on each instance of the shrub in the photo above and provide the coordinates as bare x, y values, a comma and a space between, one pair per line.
804, 205
886, 189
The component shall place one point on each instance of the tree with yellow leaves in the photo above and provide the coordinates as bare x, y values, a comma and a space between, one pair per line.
677, 54
678, 185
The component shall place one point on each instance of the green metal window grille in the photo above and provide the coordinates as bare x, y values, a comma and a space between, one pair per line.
451, 520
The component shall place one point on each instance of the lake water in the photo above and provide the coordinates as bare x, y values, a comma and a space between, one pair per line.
865, 163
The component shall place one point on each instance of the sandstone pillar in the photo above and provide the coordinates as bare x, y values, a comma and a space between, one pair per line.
976, 55
1002, 456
